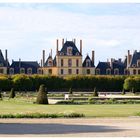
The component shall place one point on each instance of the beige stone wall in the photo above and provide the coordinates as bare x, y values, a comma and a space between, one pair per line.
54, 71
131, 71
92, 71
4, 69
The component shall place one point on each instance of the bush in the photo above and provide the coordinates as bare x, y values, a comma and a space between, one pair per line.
42, 95
0, 96
66, 102
95, 93
12, 93
91, 101
70, 91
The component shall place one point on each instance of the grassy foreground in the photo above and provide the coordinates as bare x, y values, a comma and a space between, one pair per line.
14, 106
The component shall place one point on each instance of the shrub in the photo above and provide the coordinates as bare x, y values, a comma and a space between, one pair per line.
95, 93
0, 96
12, 93
91, 101
66, 102
42, 95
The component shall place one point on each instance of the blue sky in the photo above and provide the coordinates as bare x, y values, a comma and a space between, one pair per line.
109, 29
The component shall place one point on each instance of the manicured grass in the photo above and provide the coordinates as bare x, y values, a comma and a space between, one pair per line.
19, 105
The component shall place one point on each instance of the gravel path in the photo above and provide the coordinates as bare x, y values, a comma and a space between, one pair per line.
87, 127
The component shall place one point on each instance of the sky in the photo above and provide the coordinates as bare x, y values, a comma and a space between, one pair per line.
108, 29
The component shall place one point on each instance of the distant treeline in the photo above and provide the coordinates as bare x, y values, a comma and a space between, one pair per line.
78, 83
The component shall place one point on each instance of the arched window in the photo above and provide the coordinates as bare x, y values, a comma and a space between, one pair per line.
29, 71
22, 71
116, 71
97, 71
69, 62
88, 63
108, 71
11, 71
134, 71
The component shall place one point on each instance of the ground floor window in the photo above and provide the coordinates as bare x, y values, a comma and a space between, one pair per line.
62, 71
88, 71
69, 71
50, 71
77, 71
134, 71
1, 70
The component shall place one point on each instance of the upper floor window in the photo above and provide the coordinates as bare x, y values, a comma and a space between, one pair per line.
138, 71
69, 50
11, 71
138, 63
134, 71
77, 63
108, 71
69, 62
88, 71
29, 71
22, 70
116, 71
88, 63
97, 71
62, 63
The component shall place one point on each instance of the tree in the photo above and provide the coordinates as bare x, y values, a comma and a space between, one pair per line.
70, 91
123, 92
42, 95
95, 93
12, 93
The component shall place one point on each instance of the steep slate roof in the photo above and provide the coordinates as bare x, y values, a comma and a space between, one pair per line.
119, 65
103, 66
135, 57
46, 63
2, 61
54, 61
69, 44
88, 58
25, 64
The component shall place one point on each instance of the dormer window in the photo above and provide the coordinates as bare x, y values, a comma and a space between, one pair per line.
77, 53
88, 63
61, 53
133, 65
11, 71
116, 71
69, 51
22, 71
50, 63
138, 63
29, 71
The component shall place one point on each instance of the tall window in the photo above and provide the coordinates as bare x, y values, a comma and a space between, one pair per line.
77, 71
134, 71
116, 71
88, 63
69, 51
1, 71
50, 63
62, 63
29, 71
138, 71
88, 71
50, 71
69, 71
77, 63
97, 71
69, 62
22, 71
40, 71
62, 71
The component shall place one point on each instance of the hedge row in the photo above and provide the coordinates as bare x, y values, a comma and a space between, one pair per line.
53, 83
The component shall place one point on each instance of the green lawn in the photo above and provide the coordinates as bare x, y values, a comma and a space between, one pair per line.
23, 106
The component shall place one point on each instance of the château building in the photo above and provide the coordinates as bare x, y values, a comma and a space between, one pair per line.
69, 61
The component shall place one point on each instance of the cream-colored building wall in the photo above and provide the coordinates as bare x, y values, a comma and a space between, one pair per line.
4, 70
54, 71
131, 70
92, 71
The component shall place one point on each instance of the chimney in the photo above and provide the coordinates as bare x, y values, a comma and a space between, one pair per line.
111, 64
74, 41
19, 63
128, 58
81, 47
41, 63
6, 59
43, 58
93, 57
57, 44
62, 42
